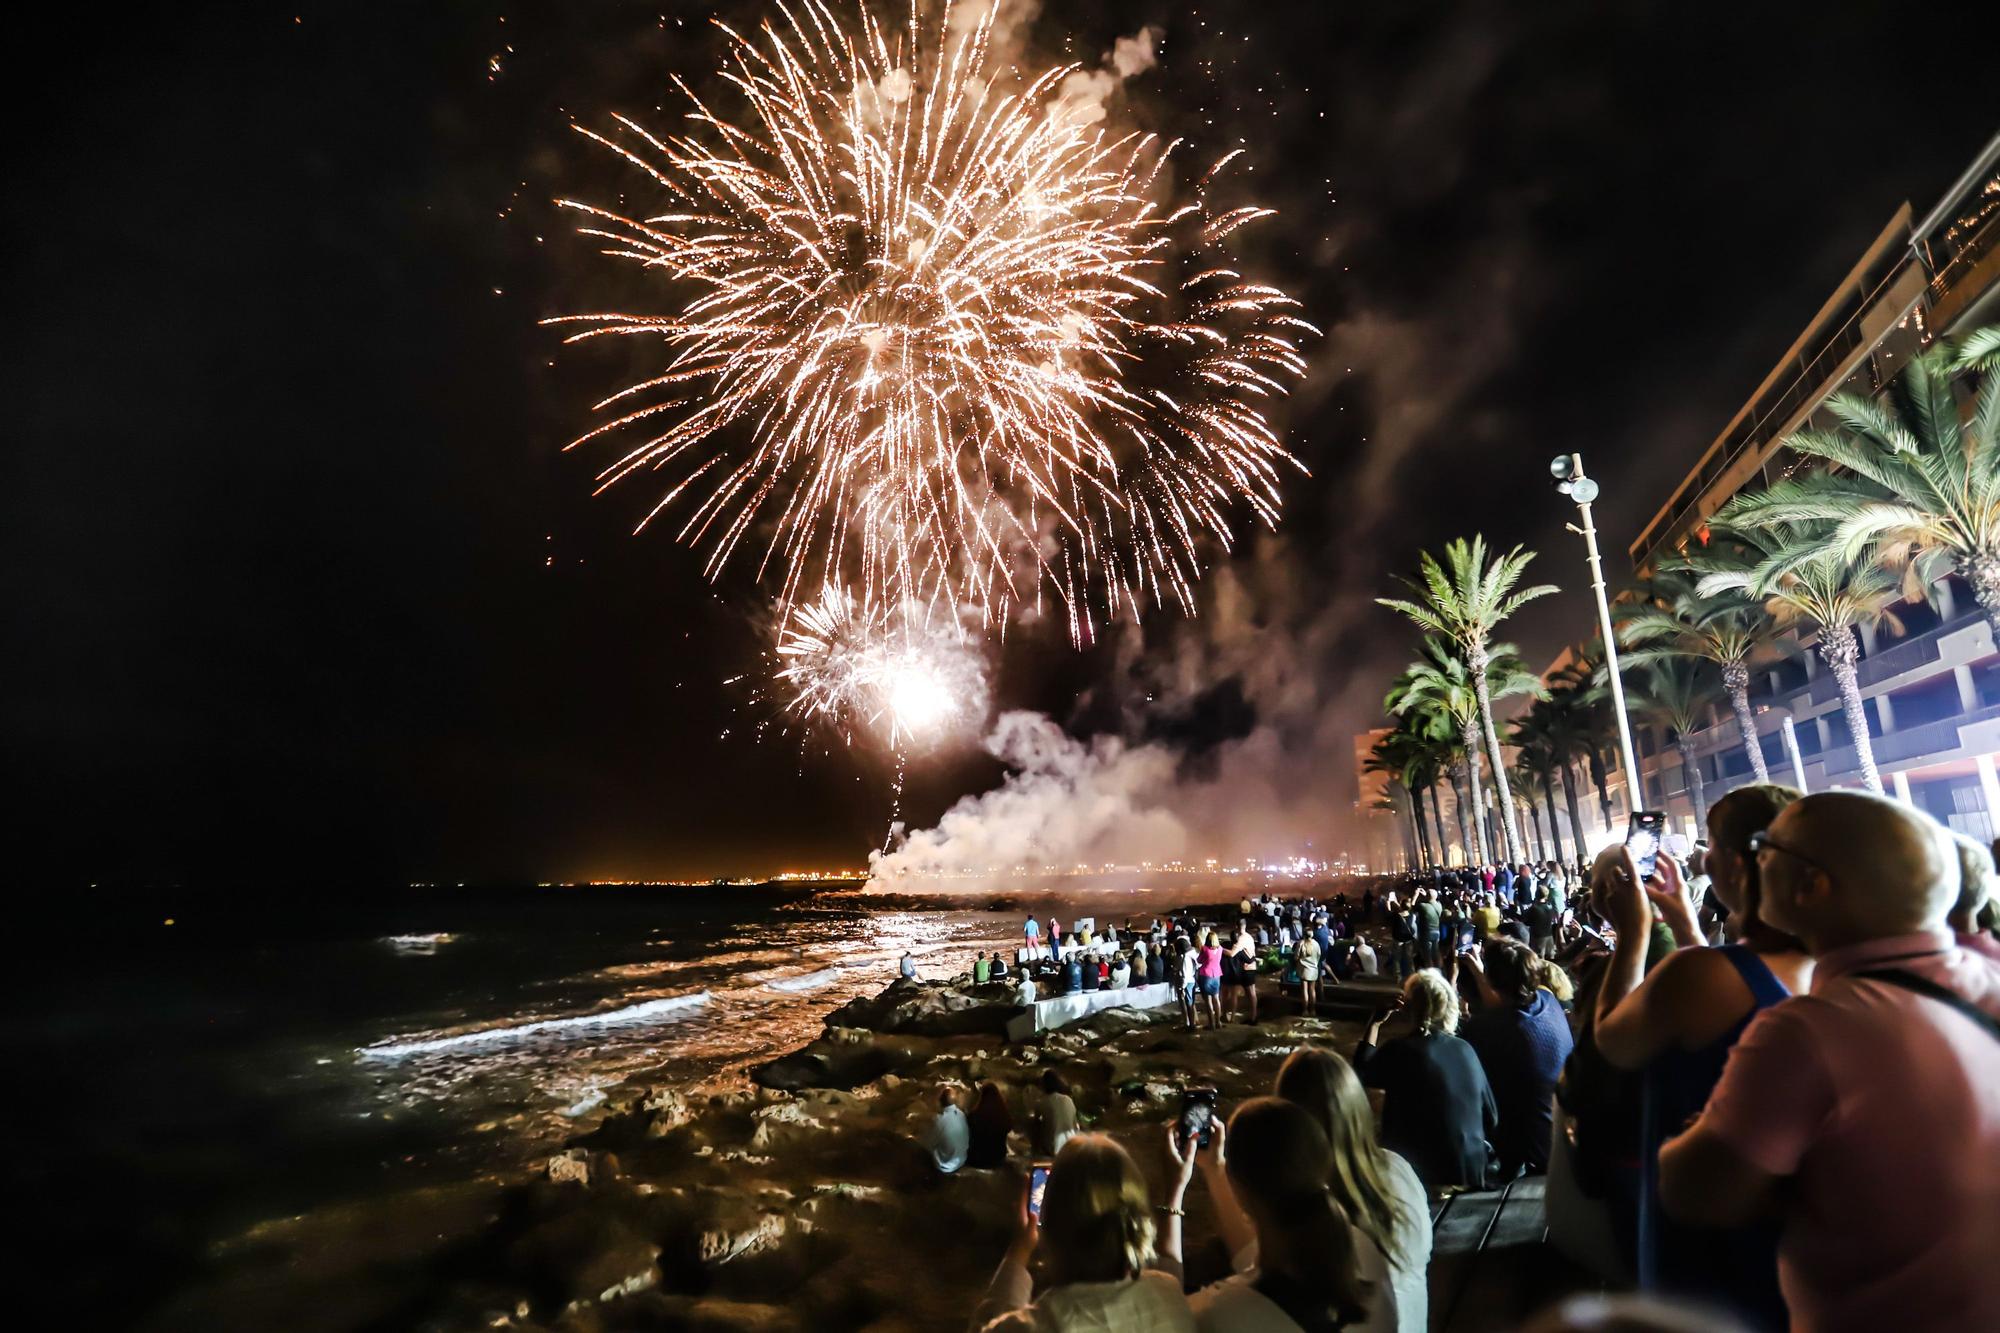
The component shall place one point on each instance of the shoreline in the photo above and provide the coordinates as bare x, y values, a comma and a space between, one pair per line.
794, 1194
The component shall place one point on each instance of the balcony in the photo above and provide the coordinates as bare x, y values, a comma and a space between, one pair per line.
1932, 738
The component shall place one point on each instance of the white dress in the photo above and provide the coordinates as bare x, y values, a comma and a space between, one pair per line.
1149, 1303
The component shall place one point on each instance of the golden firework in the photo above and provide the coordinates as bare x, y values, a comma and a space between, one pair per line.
937, 335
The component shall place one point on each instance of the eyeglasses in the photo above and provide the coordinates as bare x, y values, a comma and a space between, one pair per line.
1762, 841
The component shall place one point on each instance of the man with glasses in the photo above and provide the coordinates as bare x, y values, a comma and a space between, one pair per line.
1865, 1114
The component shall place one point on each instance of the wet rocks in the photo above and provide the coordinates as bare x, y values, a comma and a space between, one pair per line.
930, 1008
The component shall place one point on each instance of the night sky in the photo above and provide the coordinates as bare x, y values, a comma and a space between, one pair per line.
300, 588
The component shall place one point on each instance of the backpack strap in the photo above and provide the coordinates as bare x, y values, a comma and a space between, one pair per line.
1910, 981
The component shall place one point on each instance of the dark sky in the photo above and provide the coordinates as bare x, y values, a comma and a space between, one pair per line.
283, 483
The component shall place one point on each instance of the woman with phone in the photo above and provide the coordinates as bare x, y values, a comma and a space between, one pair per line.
1091, 1243
1676, 1024
1273, 1165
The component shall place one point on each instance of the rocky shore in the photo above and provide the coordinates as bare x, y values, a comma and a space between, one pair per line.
801, 1202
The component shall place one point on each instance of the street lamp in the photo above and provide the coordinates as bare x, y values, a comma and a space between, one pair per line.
1567, 469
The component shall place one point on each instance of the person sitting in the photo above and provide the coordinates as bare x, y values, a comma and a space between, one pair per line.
1677, 1024
1522, 1039
1308, 1269
1121, 973
1365, 963
1092, 1250
1056, 1123
990, 1123
998, 972
1156, 967
982, 971
1377, 1189
1091, 979
1865, 1114
1026, 993
1438, 1110
948, 1138
908, 967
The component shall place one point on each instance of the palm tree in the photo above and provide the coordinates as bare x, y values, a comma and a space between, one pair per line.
1391, 756
1677, 693
1464, 600
1440, 688
1538, 742
1588, 710
1803, 576
1911, 483
1677, 623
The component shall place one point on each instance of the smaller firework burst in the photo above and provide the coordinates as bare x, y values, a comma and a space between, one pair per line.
900, 672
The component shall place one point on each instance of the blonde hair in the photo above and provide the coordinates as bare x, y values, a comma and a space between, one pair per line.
1432, 1003
1097, 1215
1325, 1087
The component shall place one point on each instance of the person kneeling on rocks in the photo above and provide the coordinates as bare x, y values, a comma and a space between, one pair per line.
949, 1138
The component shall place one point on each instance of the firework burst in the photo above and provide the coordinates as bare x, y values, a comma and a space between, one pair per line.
936, 337
905, 675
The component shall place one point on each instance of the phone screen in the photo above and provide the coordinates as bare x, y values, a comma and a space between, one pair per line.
1197, 1116
1038, 1184
1642, 836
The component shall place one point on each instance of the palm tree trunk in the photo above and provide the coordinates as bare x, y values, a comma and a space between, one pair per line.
1602, 777
1423, 833
1736, 679
1575, 811
1437, 822
1555, 829
1461, 804
1510, 827
1982, 571
1471, 738
1839, 651
1535, 823
1696, 791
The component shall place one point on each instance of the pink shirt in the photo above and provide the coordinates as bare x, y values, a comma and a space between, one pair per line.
1211, 961
1883, 1108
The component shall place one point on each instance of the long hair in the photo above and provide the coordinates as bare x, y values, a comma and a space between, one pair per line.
1097, 1215
1325, 1087
1280, 1163
1731, 820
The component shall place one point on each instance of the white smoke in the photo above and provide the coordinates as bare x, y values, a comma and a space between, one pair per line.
1082, 96
1067, 803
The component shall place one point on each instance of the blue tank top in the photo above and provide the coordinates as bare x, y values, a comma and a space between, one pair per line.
1738, 1269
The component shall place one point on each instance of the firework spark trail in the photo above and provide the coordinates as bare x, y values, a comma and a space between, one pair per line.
935, 340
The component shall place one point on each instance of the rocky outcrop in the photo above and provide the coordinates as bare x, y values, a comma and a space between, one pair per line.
930, 1008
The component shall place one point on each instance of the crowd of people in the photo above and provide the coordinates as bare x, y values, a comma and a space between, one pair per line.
1765, 1085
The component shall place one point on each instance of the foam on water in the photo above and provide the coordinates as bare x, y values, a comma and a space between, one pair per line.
631, 1014
809, 981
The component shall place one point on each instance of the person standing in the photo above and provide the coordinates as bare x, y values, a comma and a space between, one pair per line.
1308, 957
1522, 1038
1430, 920
1211, 978
1033, 931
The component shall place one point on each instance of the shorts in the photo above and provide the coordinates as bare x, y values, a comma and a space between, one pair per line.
1211, 985
1188, 991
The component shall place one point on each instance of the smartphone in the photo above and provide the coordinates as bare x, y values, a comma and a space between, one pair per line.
1197, 1119
1038, 1184
1642, 837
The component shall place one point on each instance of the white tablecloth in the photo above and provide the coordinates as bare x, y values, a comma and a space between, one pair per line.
1062, 1010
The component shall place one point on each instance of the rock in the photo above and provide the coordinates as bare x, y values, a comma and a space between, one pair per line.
834, 1064
571, 1167
929, 1008
585, 1256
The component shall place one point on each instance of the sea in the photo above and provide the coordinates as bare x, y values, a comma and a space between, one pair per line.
191, 1069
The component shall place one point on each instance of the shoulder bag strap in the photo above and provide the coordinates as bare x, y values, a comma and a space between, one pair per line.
1910, 981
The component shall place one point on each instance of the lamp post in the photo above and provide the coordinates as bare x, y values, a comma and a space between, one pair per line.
1567, 469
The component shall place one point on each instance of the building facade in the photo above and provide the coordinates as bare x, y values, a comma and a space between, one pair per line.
1933, 693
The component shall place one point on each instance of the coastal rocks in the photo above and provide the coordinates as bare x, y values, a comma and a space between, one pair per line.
930, 1008
839, 1063
584, 1256
571, 1167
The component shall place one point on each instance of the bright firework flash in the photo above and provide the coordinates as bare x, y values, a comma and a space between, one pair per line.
937, 337
907, 677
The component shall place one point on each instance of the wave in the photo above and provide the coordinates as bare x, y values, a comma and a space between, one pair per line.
629, 1015
808, 981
